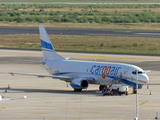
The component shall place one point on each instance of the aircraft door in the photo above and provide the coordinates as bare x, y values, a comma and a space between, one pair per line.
125, 74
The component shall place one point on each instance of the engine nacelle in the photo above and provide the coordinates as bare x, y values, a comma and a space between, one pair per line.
79, 83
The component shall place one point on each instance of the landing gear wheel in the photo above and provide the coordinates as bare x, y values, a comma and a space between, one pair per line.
134, 91
102, 87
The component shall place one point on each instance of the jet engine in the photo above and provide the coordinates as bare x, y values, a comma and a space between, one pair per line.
79, 84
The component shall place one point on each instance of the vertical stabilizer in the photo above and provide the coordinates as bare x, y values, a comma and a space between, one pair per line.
48, 50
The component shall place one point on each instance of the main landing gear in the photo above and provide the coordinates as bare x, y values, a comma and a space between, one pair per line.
102, 87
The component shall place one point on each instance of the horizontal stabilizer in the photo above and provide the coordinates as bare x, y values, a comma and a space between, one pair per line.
40, 62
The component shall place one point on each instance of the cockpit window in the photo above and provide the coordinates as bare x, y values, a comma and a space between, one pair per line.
139, 72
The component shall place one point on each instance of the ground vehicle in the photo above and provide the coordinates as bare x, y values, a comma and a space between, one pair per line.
116, 89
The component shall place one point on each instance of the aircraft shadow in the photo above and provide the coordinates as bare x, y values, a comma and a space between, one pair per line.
17, 90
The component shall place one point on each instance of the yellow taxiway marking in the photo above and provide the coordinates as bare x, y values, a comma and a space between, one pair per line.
92, 102
143, 102
100, 58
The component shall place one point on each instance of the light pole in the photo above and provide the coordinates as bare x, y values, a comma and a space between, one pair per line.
136, 118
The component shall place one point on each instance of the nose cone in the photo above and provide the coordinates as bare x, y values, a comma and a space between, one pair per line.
143, 78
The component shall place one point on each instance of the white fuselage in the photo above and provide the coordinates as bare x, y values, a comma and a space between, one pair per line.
103, 72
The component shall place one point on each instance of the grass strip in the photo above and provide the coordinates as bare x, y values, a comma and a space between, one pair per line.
126, 26
100, 44
84, 1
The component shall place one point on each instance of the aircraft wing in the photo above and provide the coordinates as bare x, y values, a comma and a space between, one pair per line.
38, 75
91, 80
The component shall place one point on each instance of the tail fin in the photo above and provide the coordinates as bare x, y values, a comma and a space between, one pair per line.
48, 50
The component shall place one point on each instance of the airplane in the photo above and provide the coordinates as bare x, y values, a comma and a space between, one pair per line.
6, 99
82, 73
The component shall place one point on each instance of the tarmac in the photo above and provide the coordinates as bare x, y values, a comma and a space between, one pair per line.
53, 99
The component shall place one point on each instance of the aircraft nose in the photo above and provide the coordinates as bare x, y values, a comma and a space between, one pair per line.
144, 78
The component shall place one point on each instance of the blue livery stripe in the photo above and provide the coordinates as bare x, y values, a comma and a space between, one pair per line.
46, 45
125, 81
75, 85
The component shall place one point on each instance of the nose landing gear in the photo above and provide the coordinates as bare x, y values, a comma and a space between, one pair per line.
134, 91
